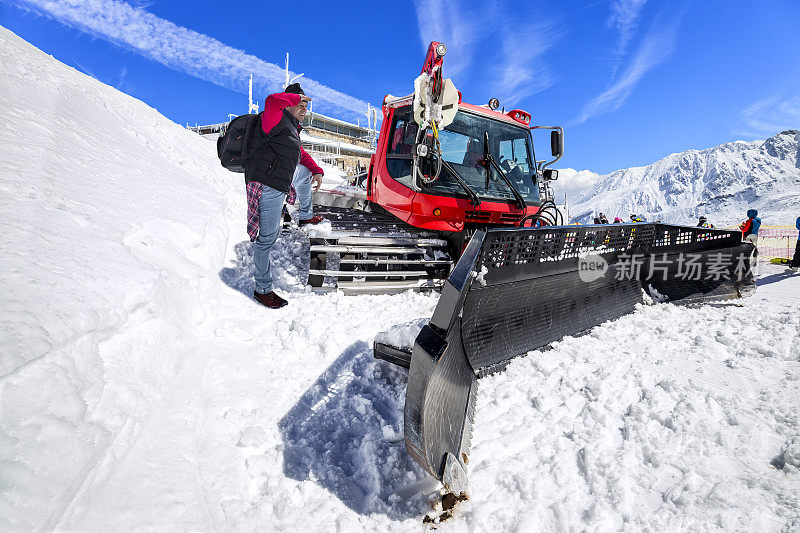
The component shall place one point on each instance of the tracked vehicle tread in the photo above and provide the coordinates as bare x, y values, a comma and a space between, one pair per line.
375, 253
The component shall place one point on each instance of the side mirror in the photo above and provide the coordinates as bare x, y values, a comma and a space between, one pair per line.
556, 143
550, 174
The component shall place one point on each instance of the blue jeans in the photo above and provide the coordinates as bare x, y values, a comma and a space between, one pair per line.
302, 184
270, 208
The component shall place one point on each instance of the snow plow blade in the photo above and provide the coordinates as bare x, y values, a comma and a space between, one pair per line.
516, 290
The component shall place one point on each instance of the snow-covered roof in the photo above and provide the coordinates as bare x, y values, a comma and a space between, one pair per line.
313, 139
313, 116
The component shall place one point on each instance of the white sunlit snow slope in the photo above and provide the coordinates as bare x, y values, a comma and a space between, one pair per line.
142, 388
113, 224
140, 385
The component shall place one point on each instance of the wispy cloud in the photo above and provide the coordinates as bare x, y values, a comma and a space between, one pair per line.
449, 22
522, 69
185, 50
657, 45
625, 20
123, 73
506, 43
770, 115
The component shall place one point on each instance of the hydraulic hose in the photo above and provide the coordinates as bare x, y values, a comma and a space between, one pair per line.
548, 215
437, 153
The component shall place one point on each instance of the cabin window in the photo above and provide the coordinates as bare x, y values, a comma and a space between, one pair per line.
402, 136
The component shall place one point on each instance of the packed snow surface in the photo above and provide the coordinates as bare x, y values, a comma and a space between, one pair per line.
142, 388
402, 336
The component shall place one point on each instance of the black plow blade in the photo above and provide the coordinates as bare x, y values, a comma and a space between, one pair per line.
517, 290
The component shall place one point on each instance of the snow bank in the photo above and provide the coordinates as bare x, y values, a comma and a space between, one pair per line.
115, 222
332, 177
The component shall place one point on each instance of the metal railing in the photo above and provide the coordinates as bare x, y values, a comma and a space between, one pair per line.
777, 241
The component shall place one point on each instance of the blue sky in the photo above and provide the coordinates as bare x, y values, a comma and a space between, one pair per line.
630, 80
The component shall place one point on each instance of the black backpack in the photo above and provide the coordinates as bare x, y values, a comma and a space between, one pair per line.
232, 147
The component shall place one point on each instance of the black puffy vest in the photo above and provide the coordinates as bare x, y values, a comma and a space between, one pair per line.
273, 157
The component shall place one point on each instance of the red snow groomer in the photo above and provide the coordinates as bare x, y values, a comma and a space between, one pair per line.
442, 169
451, 182
446, 165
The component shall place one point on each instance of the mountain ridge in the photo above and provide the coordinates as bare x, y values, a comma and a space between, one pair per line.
721, 182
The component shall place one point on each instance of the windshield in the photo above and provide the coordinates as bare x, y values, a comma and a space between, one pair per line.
462, 144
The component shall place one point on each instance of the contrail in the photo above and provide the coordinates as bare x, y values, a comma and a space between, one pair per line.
185, 50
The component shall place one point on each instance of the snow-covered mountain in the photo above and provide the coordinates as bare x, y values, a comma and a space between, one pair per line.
721, 182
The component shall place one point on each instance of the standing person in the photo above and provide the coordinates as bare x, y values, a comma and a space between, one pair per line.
274, 154
703, 223
750, 227
796, 259
306, 174
750, 231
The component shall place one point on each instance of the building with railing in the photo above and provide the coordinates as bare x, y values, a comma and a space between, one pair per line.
347, 145
336, 142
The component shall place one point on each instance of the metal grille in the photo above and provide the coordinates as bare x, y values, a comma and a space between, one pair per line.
517, 246
529, 292
376, 253
667, 235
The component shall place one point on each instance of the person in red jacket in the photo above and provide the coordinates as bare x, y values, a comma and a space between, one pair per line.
274, 154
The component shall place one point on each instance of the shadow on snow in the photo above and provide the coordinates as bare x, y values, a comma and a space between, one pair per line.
346, 434
774, 278
290, 261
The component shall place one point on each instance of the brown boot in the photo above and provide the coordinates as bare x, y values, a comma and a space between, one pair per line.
316, 219
270, 299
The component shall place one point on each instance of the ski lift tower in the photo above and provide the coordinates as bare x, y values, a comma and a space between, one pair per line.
252, 107
288, 80
372, 124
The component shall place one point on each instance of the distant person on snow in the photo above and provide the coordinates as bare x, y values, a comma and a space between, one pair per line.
603, 219
796, 259
750, 231
750, 227
703, 223
274, 154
